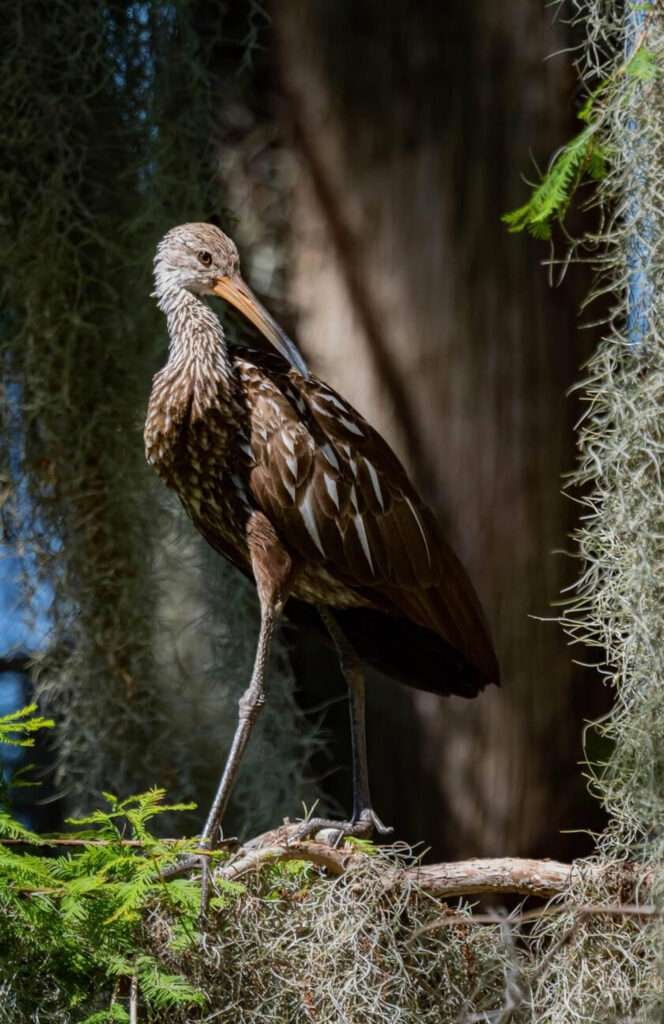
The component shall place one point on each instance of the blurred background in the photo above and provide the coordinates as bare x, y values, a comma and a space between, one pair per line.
361, 155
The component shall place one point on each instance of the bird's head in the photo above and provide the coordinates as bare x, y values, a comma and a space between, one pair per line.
201, 259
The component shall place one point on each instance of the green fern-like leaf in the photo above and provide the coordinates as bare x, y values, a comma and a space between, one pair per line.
136, 811
363, 845
16, 728
165, 991
582, 158
116, 1014
77, 917
551, 197
10, 828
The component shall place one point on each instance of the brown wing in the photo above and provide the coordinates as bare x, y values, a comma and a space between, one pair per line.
339, 497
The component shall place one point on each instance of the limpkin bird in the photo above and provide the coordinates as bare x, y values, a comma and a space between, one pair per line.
287, 481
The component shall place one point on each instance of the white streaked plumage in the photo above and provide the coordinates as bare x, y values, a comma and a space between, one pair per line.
375, 483
332, 489
309, 521
364, 540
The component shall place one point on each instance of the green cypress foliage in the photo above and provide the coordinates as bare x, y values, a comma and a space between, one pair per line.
585, 157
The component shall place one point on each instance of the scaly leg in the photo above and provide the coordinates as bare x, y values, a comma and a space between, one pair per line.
364, 820
250, 705
272, 569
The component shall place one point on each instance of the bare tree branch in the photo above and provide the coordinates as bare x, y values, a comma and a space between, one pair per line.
516, 875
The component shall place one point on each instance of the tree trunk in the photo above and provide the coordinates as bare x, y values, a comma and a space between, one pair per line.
412, 128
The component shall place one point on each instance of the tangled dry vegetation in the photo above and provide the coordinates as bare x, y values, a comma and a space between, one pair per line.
376, 944
351, 948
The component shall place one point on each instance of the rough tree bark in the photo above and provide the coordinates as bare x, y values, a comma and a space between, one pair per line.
411, 127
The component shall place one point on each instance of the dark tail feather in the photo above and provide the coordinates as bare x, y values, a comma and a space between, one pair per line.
401, 650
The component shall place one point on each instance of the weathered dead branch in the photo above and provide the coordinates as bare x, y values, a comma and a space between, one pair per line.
476, 876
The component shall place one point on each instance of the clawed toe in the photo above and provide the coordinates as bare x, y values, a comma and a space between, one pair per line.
183, 867
332, 832
376, 824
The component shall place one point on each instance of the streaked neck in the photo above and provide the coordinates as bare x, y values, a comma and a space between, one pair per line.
196, 340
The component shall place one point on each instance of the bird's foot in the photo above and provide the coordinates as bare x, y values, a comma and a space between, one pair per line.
195, 861
363, 826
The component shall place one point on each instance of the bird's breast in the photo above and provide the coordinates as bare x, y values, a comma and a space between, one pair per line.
193, 446
187, 421
212, 481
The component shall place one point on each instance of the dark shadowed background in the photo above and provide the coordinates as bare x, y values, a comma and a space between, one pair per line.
361, 155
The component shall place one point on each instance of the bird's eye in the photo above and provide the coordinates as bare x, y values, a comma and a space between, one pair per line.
205, 258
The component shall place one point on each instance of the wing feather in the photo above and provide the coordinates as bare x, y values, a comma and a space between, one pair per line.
339, 497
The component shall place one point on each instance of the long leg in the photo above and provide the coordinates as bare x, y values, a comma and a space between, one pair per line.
364, 819
250, 704
272, 568
354, 676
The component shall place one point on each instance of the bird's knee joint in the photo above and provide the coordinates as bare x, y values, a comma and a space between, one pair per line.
249, 705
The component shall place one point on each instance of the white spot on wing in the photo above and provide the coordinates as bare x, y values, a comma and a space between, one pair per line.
364, 540
375, 483
332, 489
349, 425
307, 514
421, 528
288, 442
330, 454
327, 396
292, 465
353, 498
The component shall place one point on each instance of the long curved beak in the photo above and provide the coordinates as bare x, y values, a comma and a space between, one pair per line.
239, 294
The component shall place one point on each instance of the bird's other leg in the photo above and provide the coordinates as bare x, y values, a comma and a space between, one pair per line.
364, 820
272, 568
